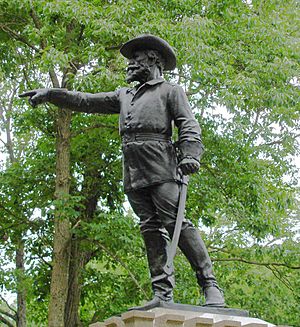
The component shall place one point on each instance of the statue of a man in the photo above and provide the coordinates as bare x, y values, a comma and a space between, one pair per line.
151, 165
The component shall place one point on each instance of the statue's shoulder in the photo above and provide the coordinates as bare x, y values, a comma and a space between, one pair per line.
171, 85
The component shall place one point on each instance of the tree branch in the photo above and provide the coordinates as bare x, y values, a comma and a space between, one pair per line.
179, 75
277, 275
229, 231
38, 25
18, 222
280, 141
73, 64
251, 133
9, 142
45, 262
6, 322
266, 264
9, 212
2, 112
8, 314
54, 78
26, 78
9, 307
122, 263
18, 37
3, 142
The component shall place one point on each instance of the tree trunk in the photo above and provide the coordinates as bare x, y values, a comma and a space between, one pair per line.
19, 255
21, 289
71, 313
62, 230
80, 257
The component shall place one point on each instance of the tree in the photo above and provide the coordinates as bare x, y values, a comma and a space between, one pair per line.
12, 216
238, 56
37, 47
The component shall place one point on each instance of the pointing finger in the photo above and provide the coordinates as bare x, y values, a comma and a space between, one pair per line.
27, 94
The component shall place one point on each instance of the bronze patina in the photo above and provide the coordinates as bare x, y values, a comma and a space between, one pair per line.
153, 169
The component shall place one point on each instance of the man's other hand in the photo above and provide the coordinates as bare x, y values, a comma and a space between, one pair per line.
188, 166
36, 96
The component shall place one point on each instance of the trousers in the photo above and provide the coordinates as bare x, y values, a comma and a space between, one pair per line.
156, 206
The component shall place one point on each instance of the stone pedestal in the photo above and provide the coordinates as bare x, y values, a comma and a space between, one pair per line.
177, 315
136, 318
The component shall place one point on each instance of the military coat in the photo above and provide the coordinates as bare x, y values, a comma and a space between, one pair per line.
146, 118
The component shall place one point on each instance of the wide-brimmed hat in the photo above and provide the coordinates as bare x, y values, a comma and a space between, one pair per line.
148, 41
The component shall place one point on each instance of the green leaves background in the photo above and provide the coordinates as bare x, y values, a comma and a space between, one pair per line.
239, 64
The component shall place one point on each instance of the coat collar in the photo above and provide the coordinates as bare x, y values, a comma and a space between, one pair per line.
155, 81
151, 83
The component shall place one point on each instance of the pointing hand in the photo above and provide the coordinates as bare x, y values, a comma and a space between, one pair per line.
36, 96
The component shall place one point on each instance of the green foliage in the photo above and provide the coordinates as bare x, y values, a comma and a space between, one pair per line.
117, 278
239, 64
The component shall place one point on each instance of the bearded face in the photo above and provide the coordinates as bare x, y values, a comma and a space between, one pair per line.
138, 68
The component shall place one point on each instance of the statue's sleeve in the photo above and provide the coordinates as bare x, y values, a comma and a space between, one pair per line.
104, 102
189, 131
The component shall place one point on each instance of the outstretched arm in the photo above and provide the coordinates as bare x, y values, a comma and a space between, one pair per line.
104, 102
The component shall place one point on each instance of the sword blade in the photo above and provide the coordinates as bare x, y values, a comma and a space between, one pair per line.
178, 225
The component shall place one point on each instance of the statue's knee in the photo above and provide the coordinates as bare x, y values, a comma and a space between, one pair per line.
149, 228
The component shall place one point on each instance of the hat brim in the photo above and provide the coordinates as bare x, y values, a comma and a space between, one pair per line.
150, 42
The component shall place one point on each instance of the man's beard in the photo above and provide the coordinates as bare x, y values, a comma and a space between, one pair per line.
139, 73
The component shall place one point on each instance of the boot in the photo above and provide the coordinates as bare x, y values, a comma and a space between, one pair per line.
163, 282
213, 297
191, 244
154, 303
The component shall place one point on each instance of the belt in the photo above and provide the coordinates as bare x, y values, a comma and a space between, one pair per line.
127, 138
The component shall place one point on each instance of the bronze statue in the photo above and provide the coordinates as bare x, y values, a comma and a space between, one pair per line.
152, 169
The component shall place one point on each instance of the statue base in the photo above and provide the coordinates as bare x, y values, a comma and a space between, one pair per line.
201, 309
183, 315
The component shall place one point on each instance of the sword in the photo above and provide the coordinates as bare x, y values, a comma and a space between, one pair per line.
177, 230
